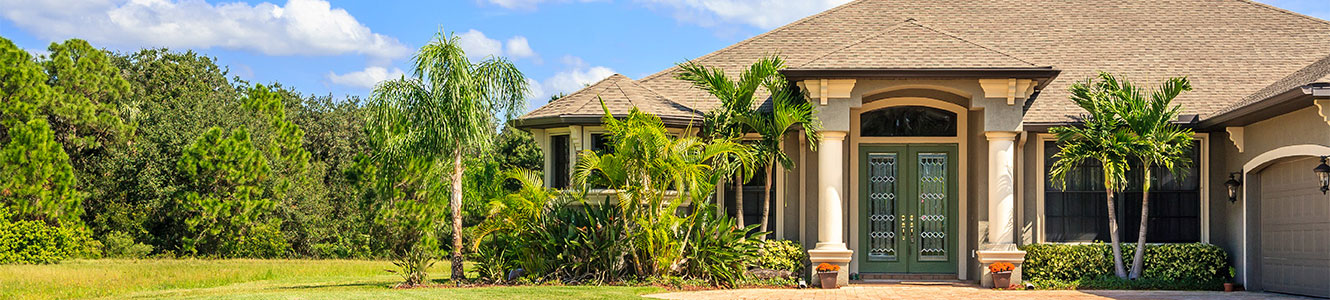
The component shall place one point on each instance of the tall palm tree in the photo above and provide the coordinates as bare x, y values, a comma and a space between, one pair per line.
726, 122
1158, 142
789, 110
446, 109
1100, 138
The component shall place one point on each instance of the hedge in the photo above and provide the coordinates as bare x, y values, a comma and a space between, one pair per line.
1167, 266
35, 242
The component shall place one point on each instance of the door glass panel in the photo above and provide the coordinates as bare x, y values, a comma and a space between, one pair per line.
882, 182
932, 210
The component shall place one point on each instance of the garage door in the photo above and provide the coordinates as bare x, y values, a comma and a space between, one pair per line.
1295, 230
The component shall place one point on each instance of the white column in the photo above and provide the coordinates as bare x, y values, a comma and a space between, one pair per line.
1001, 186
831, 191
831, 188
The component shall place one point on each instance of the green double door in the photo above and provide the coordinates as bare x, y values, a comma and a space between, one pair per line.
908, 205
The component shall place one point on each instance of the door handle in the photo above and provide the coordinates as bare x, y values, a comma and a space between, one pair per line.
903, 228
912, 235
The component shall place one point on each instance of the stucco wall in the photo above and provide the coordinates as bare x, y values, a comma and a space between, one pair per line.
1301, 127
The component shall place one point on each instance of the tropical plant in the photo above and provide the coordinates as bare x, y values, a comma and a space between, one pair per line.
716, 249
788, 110
1157, 141
1101, 137
652, 173
447, 109
726, 121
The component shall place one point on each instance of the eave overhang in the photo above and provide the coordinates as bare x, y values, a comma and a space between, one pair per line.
1044, 75
569, 120
1286, 102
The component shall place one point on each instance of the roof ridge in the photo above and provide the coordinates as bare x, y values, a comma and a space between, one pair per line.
1004, 53
756, 37
860, 41
1259, 95
626, 96
1285, 11
588, 102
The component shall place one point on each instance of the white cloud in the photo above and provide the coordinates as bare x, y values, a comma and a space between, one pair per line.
576, 76
526, 4
574, 79
519, 48
300, 27
764, 14
477, 45
366, 78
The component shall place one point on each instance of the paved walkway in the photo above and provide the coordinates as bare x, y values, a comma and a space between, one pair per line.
953, 291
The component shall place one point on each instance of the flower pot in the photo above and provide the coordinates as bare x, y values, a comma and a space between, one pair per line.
1228, 286
828, 279
1002, 280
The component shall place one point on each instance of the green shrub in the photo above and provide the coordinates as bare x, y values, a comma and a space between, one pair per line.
781, 255
35, 242
118, 244
1167, 266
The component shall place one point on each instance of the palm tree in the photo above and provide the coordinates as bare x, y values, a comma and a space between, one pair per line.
446, 109
726, 122
1157, 140
1103, 138
788, 109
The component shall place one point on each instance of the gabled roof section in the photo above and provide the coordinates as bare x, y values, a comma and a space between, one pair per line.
910, 45
620, 94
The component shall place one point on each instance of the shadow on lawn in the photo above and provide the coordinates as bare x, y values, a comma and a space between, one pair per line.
374, 284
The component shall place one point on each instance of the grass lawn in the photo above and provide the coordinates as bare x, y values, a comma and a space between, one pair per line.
256, 279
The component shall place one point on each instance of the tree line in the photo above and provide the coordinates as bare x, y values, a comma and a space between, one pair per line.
166, 153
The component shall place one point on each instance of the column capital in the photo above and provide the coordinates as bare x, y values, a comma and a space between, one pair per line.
1001, 135
833, 135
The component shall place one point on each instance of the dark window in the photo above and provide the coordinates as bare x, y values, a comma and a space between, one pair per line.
1080, 212
752, 191
559, 144
600, 144
908, 121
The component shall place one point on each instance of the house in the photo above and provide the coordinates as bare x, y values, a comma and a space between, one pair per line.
934, 153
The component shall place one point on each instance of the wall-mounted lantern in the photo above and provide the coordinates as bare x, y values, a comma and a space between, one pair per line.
1233, 185
1323, 172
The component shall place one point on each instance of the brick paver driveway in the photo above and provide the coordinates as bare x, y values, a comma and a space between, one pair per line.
953, 291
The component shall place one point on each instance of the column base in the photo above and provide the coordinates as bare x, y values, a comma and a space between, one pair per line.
832, 253
992, 253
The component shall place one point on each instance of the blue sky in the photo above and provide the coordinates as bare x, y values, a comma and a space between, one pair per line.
343, 47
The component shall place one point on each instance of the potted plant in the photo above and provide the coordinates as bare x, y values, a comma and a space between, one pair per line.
1232, 274
827, 274
1001, 273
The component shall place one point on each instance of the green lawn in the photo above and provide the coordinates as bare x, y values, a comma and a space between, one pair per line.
255, 279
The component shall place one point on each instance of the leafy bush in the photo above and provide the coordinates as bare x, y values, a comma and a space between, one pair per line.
1167, 266
717, 249
118, 244
781, 255
34, 242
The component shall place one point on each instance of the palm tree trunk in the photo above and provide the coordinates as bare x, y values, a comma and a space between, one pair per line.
456, 203
1113, 236
1138, 260
739, 199
766, 199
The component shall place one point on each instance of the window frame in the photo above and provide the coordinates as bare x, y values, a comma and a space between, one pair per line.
1042, 169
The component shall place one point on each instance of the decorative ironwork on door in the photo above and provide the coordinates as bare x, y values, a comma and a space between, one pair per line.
882, 193
931, 240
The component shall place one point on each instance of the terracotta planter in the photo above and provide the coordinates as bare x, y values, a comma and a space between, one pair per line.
1002, 280
1228, 287
828, 279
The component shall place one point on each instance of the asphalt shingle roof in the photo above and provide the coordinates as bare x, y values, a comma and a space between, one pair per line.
620, 94
1230, 49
